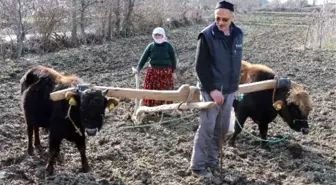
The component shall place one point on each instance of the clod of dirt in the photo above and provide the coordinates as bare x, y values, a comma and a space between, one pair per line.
295, 150
183, 173
216, 180
103, 182
2, 175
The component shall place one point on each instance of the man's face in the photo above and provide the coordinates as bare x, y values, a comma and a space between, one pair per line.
223, 18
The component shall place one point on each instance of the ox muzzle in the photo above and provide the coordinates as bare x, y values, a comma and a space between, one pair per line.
304, 125
91, 131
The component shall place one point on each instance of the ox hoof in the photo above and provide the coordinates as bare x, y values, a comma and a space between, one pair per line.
85, 169
37, 145
264, 146
39, 148
231, 143
60, 158
49, 170
30, 151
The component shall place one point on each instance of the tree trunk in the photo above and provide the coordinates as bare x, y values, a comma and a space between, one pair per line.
82, 25
109, 24
82, 21
20, 35
127, 23
118, 19
103, 31
74, 22
20, 38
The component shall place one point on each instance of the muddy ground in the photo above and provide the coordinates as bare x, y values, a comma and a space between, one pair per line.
160, 154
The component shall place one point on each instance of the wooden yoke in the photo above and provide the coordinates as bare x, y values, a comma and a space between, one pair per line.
188, 95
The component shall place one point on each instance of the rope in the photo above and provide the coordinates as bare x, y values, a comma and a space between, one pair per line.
73, 123
188, 116
260, 139
160, 122
273, 94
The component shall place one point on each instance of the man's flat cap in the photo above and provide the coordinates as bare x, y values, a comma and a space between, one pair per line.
226, 5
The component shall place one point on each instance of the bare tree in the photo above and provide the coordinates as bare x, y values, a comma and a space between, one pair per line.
109, 22
127, 23
74, 21
14, 12
84, 5
117, 14
48, 17
104, 10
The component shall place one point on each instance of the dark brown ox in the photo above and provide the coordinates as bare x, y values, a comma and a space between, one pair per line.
80, 114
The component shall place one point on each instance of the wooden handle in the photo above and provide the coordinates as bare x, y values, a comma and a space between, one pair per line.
137, 84
193, 105
169, 95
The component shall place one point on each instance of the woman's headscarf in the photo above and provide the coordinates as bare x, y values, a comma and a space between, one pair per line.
159, 30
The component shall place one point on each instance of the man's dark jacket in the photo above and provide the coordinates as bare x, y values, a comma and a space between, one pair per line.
218, 59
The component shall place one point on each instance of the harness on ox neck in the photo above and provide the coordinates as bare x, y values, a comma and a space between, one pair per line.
280, 83
83, 87
283, 82
72, 102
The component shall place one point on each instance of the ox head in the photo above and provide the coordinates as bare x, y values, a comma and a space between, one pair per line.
91, 103
294, 106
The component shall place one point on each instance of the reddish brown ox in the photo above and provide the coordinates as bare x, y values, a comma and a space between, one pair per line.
292, 104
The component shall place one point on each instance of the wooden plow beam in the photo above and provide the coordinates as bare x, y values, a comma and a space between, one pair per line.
188, 95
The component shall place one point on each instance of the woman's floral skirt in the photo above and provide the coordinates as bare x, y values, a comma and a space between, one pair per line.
158, 79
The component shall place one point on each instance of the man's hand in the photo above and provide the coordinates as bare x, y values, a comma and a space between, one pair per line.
217, 96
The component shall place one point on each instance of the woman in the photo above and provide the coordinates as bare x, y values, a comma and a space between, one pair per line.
161, 72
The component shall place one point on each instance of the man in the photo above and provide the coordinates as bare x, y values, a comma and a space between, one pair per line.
218, 63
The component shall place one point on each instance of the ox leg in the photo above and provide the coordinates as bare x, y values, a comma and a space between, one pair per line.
239, 124
54, 148
37, 142
82, 150
30, 139
263, 128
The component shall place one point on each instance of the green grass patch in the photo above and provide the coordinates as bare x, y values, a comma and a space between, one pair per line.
329, 46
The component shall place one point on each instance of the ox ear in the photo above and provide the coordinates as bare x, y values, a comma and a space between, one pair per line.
70, 96
278, 105
111, 103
